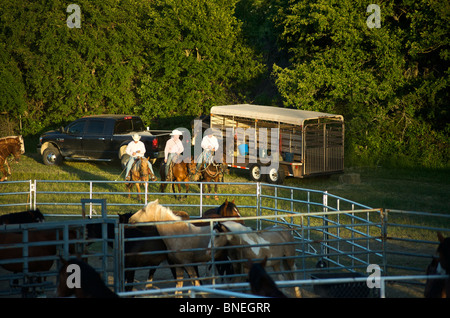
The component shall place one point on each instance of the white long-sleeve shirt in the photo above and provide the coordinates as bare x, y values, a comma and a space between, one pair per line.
135, 149
210, 143
173, 146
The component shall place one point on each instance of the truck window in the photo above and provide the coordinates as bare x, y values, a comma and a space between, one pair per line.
95, 127
138, 125
123, 126
76, 128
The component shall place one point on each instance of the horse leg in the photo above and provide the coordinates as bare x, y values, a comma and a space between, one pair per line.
9, 168
149, 284
289, 266
173, 190
187, 186
192, 271
5, 176
208, 189
215, 191
180, 275
129, 276
129, 185
138, 187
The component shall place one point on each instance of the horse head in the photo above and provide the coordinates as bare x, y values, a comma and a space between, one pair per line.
194, 175
439, 288
229, 209
36, 215
444, 252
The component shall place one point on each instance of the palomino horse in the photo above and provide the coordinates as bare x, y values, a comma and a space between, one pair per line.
140, 172
261, 283
177, 246
135, 250
90, 283
271, 243
439, 288
179, 171
209, 172
30, 216
10, 146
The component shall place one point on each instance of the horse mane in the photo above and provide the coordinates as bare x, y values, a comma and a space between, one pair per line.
160, 212
233, 226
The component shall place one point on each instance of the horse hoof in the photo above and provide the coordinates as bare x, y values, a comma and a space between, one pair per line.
207, 197
216, 198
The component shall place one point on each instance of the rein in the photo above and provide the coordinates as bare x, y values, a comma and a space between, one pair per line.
218, 168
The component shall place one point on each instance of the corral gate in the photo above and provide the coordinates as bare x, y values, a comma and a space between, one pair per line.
324, 147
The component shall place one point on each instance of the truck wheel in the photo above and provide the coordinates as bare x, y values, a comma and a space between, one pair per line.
276, 176
124, 160
255, 173
51, 156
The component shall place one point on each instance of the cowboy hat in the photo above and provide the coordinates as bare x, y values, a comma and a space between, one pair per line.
176, 132
136, 137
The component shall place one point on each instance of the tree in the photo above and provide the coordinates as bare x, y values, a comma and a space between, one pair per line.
71, 72
196, 58
375, 77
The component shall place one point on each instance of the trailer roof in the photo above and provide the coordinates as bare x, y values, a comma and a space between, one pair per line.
271, 113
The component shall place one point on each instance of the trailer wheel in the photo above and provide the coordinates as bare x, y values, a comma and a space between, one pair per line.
276, 176
255, 173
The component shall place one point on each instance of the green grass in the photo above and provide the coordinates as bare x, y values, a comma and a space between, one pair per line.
405, 189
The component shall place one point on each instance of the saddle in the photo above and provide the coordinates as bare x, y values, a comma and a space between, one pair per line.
137, 167
206, 159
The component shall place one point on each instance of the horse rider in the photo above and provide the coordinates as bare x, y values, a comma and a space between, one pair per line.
174, 147
210, 144
136, 150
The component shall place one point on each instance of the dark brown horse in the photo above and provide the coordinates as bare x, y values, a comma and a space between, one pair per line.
140, 172
85, 282
30, 216
440, 265
209, 172
10, 146
261, 283
179, 171
13, 238
226, 210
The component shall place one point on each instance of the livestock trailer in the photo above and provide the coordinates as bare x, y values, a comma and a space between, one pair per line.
302, 143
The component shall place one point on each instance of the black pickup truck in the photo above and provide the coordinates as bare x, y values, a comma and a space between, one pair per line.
100, 138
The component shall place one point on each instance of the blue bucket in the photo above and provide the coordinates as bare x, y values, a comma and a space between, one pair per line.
243, 149
289, 156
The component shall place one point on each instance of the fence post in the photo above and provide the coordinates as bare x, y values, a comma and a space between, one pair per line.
325, 222
384, 235
32, 195
201, 199
258, 204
